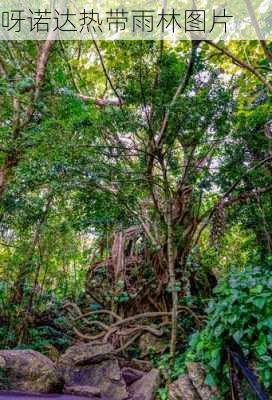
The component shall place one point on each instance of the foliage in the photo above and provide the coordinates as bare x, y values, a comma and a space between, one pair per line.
240, 311
163, 393
185, 157
47, 327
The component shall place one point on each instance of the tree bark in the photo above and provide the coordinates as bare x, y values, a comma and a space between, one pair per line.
172, 279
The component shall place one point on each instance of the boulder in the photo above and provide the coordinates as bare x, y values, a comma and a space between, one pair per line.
183, 389
29, 371
2, 362
192, 386
131, 375
84, 354
140, 365
146, 387
197, 375
93, 365
87, 391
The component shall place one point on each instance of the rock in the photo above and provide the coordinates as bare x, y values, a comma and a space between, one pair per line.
197, 376
149, 342
29, 371
84, 354
2, 362
93, 365
146, 387
192, 386
142, 365
131, 375
88, 391
183, 389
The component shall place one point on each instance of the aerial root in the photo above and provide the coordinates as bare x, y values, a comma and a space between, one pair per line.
122, 328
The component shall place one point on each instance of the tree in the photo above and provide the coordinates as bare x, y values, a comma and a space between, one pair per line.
139, 133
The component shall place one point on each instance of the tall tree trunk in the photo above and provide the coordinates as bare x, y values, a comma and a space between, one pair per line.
172, 278
9, 163
24, 268
12, 157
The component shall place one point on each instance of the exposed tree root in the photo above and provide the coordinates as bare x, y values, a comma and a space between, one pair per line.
123, 328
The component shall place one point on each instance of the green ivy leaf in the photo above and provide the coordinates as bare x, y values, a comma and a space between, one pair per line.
259, 302
237, 336
261, 347
209, 380
257, 289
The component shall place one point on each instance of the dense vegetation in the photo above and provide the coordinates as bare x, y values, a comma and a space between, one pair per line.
134, 177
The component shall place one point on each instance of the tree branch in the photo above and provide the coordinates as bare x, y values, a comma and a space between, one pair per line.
182, 86
241, 63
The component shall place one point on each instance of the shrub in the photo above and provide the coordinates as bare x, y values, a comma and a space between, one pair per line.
241, 311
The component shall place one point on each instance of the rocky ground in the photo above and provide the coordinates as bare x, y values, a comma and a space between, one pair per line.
91, 371
86, 370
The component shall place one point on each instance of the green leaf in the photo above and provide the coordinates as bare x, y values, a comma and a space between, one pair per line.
233, 318
209, 380
219, 330
237, 336
216, 359
259, 302
257, 289
268, 323
261, 347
